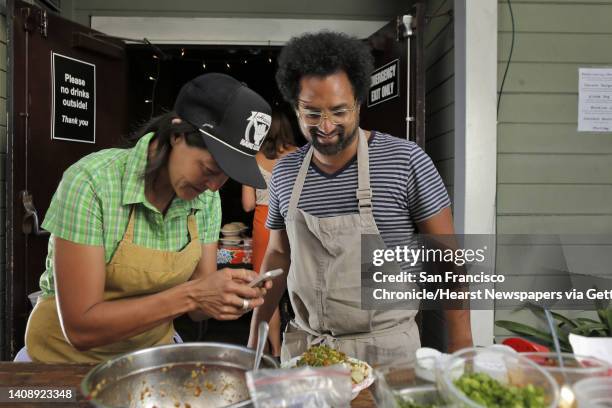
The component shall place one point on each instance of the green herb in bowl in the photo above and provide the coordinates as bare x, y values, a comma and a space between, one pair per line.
487, 391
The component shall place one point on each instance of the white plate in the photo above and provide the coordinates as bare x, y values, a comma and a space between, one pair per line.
357, 388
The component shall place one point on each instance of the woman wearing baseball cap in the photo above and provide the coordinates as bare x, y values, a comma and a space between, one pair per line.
134, 231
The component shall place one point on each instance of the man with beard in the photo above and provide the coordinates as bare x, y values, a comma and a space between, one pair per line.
346, 182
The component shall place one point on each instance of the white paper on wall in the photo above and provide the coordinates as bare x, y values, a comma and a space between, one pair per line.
595, 100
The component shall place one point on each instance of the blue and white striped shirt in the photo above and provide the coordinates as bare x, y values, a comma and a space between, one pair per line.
406, 187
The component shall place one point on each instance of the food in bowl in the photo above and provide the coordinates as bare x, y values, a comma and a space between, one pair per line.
489, 392
573, 369
323, 356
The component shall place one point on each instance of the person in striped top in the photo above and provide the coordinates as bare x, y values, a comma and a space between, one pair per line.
345, 183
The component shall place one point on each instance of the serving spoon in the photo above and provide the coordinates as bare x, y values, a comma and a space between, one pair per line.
262, 338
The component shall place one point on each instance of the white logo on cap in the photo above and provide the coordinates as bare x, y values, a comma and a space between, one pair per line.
256, 130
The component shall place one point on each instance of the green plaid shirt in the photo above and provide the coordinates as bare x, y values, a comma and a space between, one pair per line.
92, 206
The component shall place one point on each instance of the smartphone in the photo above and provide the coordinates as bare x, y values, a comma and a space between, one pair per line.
265, 277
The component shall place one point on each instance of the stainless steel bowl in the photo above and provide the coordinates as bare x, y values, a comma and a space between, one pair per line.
177, 375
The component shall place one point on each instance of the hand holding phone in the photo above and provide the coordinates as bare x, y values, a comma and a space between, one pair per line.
263, 277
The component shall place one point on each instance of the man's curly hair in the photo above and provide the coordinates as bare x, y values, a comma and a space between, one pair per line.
322, 54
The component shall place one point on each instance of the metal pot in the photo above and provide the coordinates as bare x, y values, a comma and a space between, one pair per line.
176, 375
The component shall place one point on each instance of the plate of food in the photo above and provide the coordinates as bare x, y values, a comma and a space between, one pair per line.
362, 375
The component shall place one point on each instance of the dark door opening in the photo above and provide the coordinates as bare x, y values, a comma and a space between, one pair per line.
156, 75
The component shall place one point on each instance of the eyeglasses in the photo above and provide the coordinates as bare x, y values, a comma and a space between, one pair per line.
314, 118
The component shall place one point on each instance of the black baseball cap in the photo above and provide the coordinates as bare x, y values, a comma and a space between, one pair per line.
233, 119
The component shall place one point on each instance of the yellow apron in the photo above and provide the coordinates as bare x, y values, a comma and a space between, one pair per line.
133, 271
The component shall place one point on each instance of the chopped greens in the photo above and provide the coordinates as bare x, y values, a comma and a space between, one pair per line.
487, 391
321, 356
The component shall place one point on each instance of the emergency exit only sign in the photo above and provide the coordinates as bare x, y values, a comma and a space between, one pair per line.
385, 83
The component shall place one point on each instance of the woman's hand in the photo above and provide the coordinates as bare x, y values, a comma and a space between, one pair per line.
222, 294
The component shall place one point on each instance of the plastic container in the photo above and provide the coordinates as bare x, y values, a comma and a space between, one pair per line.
506, 367
594, 392
575, 367
422, 395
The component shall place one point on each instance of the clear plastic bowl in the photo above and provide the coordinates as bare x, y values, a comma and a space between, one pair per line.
421, 395
594, 392
506, 367
575, 367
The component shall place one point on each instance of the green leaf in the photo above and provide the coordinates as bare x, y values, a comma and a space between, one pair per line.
523, 329
591, 330
608, 320
563, 319
582, 320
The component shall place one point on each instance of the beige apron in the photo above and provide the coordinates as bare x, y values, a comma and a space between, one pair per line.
324, 281
133, 271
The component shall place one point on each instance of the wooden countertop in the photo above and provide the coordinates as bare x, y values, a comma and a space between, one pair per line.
70, 375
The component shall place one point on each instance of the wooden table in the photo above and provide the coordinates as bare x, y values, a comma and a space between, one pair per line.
70, 376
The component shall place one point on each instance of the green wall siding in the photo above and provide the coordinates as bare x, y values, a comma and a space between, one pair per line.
551, 178
440, 89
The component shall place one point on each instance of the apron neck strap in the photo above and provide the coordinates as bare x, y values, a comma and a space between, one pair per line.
299, 183
363, 193
129, 232
192, 226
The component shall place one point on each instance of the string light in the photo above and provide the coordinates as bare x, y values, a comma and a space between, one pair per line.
155, 56
151, 78
244, 62
270, 60
228, 65
148, 101
204, 65
182, 52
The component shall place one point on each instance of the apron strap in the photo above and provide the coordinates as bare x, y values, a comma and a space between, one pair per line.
192, 226
326, 338
129, 232
299, 184
363, 193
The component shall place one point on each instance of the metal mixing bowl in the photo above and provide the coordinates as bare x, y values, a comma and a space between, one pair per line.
177, 375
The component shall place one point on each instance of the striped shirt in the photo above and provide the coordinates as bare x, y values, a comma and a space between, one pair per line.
406, 188
92, 206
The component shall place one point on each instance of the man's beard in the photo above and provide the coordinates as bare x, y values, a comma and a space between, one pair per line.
330, 149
